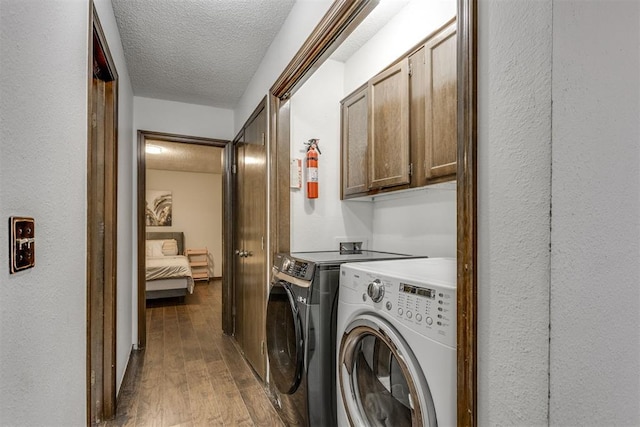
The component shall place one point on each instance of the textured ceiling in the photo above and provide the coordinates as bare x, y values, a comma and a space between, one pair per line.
184, 157
196, 51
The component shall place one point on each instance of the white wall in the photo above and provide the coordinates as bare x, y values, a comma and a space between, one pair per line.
595, 274
196, 210
315, 113
127, 267
183, 119
514, 156
302, 19
43, 174
419, 222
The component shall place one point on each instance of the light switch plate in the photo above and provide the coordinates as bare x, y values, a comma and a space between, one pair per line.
23, 244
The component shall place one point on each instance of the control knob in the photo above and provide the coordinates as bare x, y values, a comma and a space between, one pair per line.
286, 263
375, 290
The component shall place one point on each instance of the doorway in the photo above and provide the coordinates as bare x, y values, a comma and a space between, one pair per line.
144, 139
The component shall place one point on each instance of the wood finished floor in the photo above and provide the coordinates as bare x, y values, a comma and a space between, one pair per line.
191, 374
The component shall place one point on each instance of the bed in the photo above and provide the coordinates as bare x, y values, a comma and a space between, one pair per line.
168, 273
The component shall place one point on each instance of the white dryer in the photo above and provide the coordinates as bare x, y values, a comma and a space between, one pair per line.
396, 343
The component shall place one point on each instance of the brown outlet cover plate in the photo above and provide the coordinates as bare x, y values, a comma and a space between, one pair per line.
23, 244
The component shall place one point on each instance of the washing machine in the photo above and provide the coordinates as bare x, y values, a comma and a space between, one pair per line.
301, 332
396, 343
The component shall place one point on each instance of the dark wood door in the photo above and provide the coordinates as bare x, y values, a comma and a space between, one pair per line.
251, 255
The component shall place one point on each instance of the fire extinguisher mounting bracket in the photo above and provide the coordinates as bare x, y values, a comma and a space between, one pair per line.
313, 142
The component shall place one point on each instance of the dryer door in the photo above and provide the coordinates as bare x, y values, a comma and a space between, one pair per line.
380, 379
285, 343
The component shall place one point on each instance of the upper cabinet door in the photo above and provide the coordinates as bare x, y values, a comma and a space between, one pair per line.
389, 127
441, 139
354, 139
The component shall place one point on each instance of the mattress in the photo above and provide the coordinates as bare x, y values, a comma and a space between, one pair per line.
169, 267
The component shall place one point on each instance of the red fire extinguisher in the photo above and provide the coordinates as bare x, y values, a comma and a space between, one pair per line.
313, 151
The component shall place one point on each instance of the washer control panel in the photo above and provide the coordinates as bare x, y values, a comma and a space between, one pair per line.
433, 308
294, 267
429, 309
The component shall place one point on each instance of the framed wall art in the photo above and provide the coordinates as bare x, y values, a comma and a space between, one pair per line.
158, 208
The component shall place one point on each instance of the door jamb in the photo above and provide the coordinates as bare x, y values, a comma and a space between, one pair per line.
101, 334
227, 218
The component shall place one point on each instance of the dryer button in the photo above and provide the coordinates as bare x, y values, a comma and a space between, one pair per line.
409, 314
400, 311
388, 305
419, 317
429, 320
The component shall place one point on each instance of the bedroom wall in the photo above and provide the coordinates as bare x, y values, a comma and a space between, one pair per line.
196, 210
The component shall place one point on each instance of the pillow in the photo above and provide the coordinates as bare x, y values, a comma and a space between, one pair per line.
170, 247
154, 248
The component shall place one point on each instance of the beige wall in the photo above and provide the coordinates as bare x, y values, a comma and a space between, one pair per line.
197, 209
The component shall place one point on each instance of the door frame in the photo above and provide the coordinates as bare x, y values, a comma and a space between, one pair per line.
102, 168
227, 219
339, 21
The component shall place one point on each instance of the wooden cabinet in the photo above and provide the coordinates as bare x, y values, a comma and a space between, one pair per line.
355, 128
389, 127
375, 133
410, 122
199, 262
441, 100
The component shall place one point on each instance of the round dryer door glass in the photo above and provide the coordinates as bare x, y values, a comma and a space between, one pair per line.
284, 339
380, 381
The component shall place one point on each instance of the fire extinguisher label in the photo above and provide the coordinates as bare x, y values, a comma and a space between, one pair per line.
312, 174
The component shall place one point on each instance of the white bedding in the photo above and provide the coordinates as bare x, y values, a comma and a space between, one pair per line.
169, 267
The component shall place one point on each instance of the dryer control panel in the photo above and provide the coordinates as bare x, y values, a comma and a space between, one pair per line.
426, 307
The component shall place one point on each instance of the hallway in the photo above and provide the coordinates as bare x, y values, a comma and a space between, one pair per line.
191, 374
